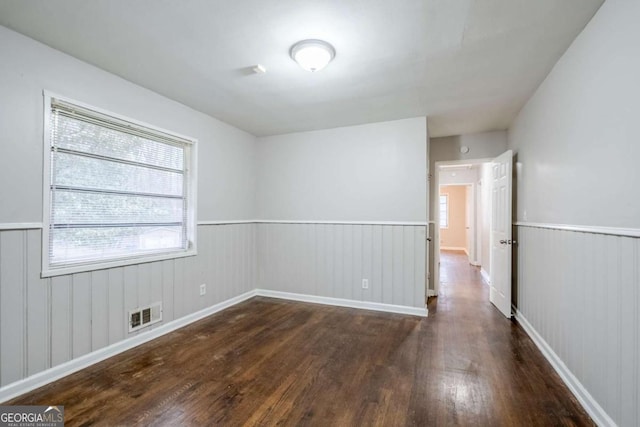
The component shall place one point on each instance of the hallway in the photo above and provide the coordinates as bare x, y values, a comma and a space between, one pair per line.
489, 371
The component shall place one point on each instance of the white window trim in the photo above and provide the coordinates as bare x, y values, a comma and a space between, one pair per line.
191, 165
440, 213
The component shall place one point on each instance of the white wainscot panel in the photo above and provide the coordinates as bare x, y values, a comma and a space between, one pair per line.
48, 322
578, 297
331, 260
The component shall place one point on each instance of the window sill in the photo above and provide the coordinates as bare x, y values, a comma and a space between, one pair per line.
82, 268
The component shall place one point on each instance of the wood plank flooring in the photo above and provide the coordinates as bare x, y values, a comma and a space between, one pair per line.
271, 362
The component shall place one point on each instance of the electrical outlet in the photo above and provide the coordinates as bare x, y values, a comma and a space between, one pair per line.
365, 283
203, 289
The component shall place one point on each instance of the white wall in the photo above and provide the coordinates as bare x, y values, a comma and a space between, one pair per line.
373, 172
485, 145
226, 154
577, 148
577, 138
459, 176
369, 173
47, 322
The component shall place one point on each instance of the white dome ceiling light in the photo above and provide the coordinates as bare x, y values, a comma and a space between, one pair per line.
312, 55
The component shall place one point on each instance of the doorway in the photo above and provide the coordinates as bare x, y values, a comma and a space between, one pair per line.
456, 218
462, 223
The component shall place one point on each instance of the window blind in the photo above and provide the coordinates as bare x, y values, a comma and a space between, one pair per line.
117, 189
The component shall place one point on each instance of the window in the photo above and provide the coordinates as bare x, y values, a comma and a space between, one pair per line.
444, 211
116, 191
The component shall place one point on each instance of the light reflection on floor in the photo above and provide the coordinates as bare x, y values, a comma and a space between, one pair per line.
465, 384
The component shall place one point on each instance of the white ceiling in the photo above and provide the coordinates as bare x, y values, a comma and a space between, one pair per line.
468, 65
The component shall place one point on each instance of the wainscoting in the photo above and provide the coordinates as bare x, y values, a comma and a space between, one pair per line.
47, 322
578, 296
51, 327
330, 260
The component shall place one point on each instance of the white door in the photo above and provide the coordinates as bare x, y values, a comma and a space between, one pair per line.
501, 242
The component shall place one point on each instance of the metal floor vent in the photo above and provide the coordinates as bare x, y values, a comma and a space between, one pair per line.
145, 316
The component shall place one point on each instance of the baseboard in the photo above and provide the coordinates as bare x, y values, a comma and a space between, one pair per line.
432, 293
453, 248
599, 416
485, 277
17, 388
365, 305
40, 379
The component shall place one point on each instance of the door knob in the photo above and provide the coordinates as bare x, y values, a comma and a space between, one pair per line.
428, 239
503, 242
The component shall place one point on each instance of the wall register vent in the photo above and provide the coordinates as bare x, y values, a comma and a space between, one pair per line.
145, 316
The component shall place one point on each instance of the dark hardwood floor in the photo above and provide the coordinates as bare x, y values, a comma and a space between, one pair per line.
272, 362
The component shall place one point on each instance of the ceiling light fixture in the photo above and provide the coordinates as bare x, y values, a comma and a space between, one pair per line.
312, 55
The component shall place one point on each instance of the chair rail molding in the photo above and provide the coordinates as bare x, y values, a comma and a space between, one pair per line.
20, 225
594, 229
